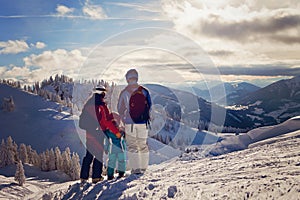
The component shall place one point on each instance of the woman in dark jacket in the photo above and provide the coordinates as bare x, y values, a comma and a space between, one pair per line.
97, 119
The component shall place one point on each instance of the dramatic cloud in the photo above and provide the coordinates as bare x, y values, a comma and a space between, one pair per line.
93, 11
63, 10
234, 23
249, 38
250, 29
13, 47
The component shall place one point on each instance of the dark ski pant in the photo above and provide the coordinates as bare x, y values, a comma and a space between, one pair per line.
85, 168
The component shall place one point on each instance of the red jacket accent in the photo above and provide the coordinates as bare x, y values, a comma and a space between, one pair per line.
106, 120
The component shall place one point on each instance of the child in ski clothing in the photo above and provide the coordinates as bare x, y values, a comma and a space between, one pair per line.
115, 147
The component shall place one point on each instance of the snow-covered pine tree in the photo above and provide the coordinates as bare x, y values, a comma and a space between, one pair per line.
66, 156
3, 154
51, 160
23, 153
20, 174
75, 167
29, 154
15, 150
36, 159
44, 166
10, 153
47, 155
58, 159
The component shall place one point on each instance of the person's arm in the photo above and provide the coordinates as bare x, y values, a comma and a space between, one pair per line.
121, 105
148, 97
107, 123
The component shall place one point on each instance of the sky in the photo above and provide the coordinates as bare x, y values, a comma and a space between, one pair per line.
166, 40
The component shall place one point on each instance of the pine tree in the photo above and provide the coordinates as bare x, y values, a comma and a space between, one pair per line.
30, 155
23, 153
47, 155
58, 159
66, 156
20, 175
75, 167
52, 160
36, 159
15, 150
44, 166
10, 153
3, 154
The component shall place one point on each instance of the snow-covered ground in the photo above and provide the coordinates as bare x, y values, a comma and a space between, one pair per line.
268, 169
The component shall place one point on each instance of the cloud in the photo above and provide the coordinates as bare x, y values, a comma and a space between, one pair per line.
261, 70
220, 53
241, 33
13, 47
233, 22
250, 29
147, 7
16, 72
40, 66
58, 59
63, 10
93, 11
40, 45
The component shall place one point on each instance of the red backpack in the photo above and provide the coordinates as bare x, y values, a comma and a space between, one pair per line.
139, 106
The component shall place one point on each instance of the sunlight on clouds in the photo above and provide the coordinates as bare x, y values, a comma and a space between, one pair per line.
250, 30
16, 72
93, 11
50, 62
13, 47
40, 45
2, 70
164, 56
63, 10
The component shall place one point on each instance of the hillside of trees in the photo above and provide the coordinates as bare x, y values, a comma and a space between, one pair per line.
49, 160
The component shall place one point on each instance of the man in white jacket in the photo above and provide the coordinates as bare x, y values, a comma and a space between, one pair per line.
133, 106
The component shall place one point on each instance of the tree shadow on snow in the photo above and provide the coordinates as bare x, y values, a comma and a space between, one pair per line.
2, 186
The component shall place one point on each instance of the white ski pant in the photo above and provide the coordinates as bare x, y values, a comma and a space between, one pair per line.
136, 140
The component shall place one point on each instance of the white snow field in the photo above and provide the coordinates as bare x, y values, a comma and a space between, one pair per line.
267, 169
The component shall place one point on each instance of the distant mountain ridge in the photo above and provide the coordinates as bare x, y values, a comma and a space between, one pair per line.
274, 103
192, 107
233, 92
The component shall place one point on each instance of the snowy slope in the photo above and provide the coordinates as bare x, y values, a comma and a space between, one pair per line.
37, 122
268, 169
242, 141
37, 183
